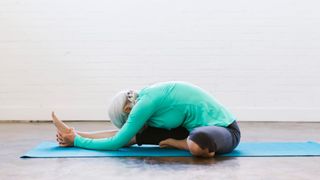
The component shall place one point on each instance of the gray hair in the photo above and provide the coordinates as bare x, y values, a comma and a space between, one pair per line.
116, 113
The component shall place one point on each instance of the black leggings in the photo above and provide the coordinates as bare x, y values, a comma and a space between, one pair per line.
215, 138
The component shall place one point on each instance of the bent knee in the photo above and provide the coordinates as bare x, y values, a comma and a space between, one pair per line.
196, 150
203, 140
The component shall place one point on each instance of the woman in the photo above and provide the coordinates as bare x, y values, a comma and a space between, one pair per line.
164, 108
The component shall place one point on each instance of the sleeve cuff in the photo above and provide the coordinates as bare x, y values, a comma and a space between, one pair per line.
77, 141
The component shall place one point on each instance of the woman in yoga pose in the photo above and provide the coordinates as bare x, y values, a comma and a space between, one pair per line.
171, 114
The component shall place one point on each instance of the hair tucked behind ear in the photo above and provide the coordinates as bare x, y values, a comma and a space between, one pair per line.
117, 115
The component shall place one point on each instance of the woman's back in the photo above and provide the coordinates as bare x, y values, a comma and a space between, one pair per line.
181, 103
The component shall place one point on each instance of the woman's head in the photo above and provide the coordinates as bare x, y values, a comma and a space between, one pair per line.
120, 107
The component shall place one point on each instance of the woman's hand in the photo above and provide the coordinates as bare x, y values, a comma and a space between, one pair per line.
66, 138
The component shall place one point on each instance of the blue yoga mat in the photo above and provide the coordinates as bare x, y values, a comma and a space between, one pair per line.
245, 149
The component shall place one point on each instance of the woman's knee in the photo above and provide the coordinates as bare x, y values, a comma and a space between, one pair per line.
196, 150
193, 147
203, 140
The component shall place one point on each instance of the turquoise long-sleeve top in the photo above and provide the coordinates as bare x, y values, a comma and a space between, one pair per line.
165, 105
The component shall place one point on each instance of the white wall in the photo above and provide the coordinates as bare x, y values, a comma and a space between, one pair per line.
260, 58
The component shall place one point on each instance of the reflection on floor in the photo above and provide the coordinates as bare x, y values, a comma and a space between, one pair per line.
17, 138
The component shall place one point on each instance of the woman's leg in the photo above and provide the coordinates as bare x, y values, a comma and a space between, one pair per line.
62, 127
152, 135
148, 135
187, 144
208, 140
214, 139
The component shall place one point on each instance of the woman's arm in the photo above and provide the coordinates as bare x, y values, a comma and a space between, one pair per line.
69, 133
103, 134
67, 138
98, 134
140, 113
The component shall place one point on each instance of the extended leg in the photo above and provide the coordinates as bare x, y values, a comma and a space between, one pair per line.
63, 128
152, 135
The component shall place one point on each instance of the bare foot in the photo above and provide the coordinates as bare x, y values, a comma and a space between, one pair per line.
62, 127
167, 143
174, 143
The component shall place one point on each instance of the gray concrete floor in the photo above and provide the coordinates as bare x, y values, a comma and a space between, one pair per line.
17, 138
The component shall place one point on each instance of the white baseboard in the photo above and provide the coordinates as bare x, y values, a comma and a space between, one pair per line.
277, 114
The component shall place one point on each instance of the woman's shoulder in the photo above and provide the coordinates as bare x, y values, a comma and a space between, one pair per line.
157, 92
157, 87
